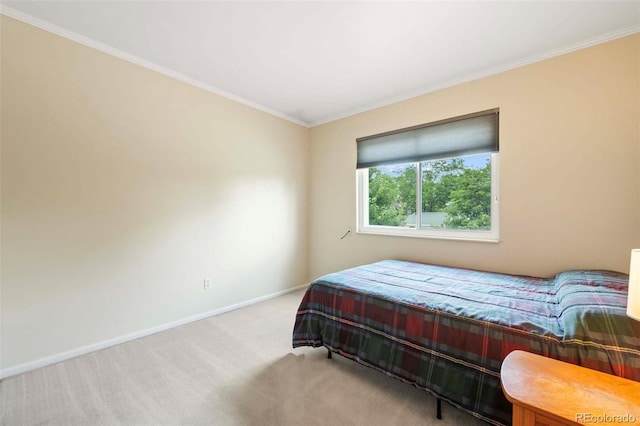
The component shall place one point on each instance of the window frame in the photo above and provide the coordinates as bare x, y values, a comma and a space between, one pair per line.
362, 211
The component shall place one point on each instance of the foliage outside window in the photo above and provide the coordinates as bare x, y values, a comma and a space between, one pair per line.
453, 198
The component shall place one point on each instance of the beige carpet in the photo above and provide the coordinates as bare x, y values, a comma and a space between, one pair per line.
233, 369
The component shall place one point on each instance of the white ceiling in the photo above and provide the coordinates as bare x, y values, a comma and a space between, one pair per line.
313, 62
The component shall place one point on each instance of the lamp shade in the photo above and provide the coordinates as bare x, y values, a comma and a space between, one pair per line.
633, 299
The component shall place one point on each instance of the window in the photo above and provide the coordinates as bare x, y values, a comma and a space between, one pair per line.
437, 180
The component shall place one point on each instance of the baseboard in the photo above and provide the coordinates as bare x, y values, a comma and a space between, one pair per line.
63, 356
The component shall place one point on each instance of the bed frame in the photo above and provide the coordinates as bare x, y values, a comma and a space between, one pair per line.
438, 400
447, 330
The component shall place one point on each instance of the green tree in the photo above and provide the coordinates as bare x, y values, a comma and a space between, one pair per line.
448, 186
469, 205
407, 189
385, 204
439, 179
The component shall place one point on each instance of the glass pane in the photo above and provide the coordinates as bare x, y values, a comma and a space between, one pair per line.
456, 193
392, 195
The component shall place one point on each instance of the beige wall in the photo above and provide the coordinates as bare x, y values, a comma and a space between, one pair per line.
569, 169
122, 189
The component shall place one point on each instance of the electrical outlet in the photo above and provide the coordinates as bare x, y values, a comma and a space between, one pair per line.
207, 283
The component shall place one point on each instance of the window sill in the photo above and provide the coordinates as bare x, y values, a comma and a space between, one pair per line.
469, 236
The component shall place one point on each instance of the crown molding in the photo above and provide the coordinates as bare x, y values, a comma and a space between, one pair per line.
483, 73
44, 25
47, 26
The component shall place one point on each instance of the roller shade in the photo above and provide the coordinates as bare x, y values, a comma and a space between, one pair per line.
469, 134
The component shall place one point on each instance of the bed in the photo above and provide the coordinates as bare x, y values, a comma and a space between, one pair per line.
446, 330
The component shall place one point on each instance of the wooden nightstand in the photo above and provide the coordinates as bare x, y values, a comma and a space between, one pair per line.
548, 392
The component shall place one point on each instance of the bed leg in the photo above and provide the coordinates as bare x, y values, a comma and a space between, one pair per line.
328, 354
438, 408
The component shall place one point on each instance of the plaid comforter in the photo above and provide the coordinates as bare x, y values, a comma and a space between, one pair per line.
447, 330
